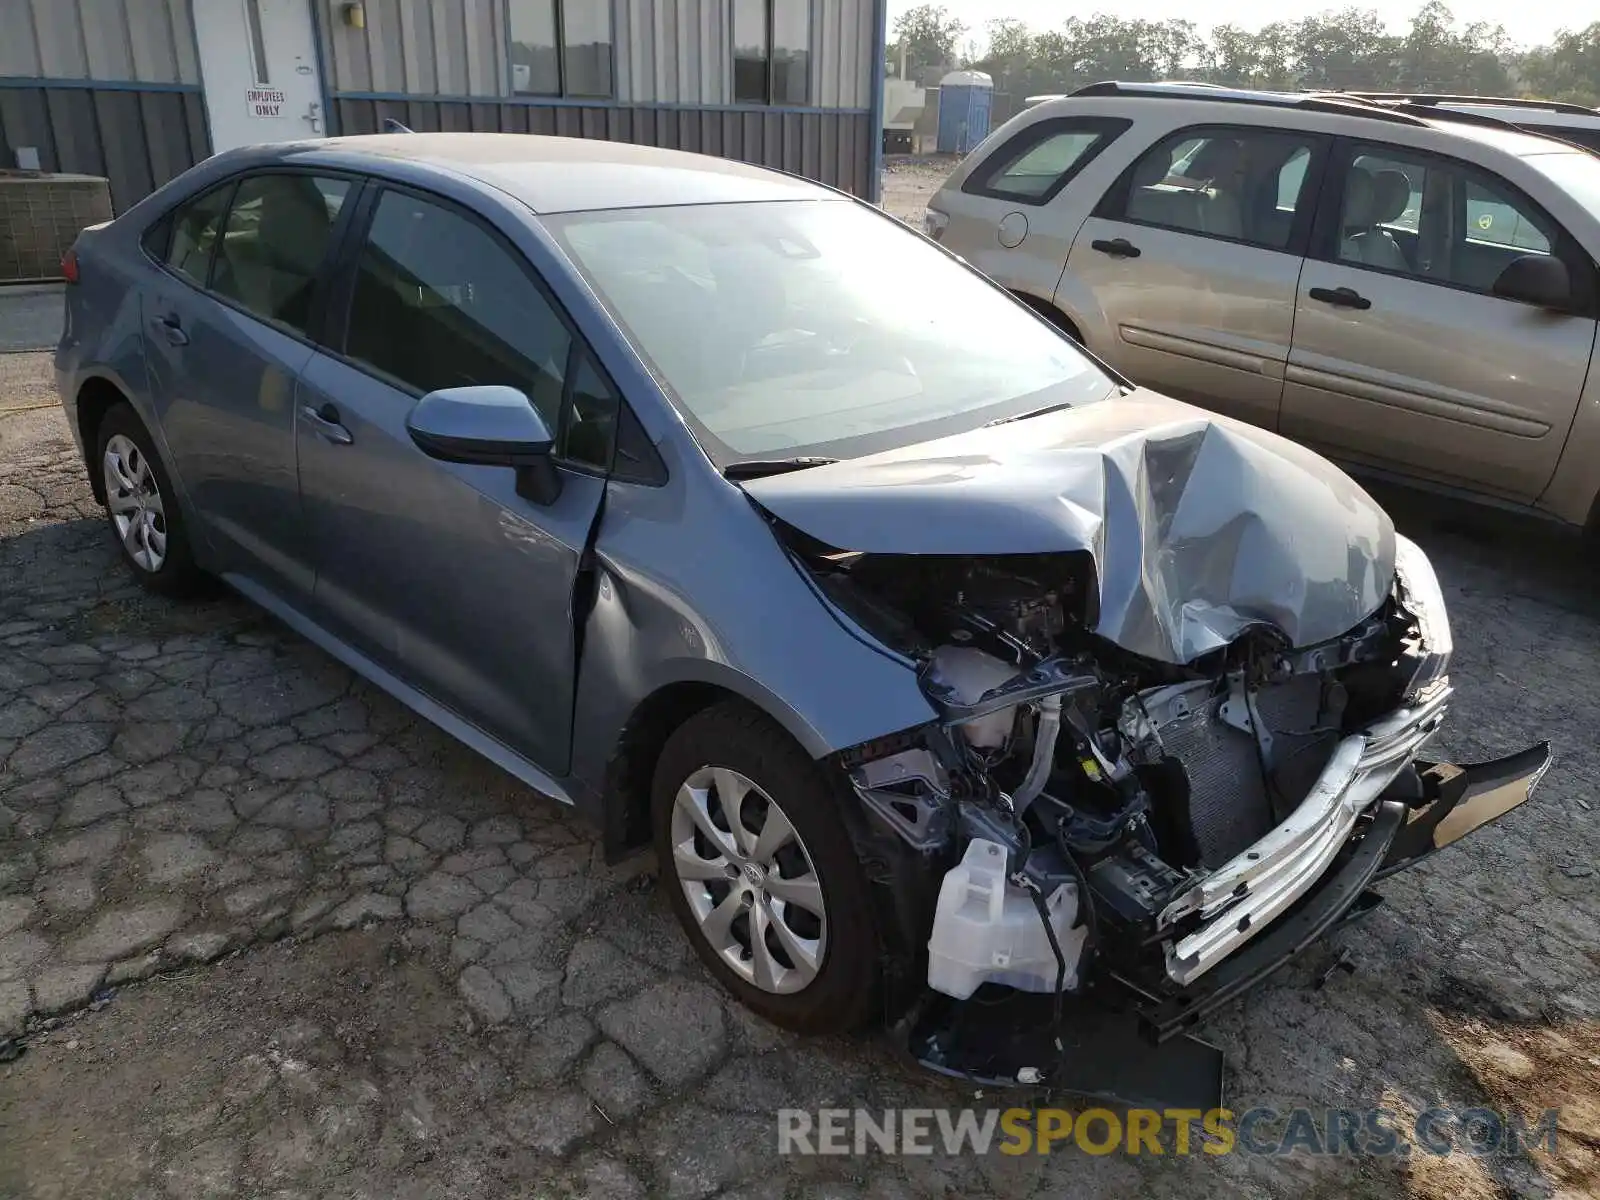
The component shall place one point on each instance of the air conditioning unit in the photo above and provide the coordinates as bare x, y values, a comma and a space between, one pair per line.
40, 216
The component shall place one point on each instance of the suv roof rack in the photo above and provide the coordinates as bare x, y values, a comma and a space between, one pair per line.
1432, 99
1321, 102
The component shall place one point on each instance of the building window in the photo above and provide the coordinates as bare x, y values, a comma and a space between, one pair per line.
561, 47
772, 52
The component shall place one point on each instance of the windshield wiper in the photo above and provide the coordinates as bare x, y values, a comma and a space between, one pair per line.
755, 468
1032, 412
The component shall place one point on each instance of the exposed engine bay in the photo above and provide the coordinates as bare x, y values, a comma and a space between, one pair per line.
1078, 798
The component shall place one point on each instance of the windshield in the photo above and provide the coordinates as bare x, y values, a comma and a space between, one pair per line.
818, 328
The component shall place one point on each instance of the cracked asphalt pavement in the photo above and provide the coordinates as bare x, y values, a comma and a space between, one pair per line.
265, 933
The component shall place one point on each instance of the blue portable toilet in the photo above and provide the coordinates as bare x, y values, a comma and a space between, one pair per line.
965, 99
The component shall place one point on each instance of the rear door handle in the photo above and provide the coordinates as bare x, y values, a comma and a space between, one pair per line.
1116, 247
1340, 297
325, 421
169, 327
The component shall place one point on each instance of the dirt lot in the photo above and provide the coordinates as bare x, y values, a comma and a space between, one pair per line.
271, 936
908, 184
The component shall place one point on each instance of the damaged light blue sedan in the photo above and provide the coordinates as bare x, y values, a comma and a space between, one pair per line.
957, 683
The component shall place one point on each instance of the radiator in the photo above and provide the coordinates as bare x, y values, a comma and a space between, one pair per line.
1230, 806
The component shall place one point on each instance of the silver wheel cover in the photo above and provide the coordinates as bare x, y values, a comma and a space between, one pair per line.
750, 882
135, 503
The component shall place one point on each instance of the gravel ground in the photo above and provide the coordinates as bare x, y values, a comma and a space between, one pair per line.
269, 935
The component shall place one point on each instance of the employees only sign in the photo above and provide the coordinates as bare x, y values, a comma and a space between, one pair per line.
264, 102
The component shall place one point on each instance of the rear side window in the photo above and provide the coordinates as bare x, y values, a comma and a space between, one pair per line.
1038, 162
193, 229
274, 243
439, 302
1243, 184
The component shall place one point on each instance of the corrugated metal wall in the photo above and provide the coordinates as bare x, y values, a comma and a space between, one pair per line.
674, 51
145, 41
835, 148
420, 47
667, 51
138, 140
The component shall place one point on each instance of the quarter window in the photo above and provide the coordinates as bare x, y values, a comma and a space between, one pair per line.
1035, 165
772, 52
1245, 185
439, 302
1435, 219
194, 234
561, 47
273, 246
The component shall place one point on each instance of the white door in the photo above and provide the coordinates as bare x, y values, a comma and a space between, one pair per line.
258, 63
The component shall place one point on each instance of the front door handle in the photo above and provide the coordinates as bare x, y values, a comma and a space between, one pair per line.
1116, 247
169, 327
325, 421
1340, 297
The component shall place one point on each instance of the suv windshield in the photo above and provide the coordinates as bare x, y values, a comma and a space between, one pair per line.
787, 329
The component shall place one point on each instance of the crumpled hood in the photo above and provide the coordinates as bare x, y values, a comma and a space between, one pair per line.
1200, 526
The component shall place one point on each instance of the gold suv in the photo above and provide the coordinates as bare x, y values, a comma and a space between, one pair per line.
1407, 288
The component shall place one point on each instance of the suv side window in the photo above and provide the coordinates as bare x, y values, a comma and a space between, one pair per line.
439, 301
1439, 220
193, 227
274, 243
1038, 162
1244, 184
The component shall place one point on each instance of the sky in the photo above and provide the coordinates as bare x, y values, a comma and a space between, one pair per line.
1527, 23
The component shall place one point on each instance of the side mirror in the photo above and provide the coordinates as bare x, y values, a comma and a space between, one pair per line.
1540, 279
490, 426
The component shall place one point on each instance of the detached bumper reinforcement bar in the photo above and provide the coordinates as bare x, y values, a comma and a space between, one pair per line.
1454, 801
1286, 939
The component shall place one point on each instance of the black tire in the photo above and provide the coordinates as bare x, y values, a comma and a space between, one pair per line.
846, 990
176, 575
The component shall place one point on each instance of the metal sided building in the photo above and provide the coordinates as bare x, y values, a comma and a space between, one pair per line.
139, 90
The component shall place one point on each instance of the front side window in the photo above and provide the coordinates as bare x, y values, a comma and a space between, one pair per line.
440, 302
772, 52
195, 226
1435, 219
561, 48
1243, 184
820, 327
276, 238
1036, 164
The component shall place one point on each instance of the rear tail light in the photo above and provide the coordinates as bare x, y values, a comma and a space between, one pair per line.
934, 223
69, 266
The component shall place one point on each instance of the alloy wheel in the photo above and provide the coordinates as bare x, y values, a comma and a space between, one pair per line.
750, 881
134, 499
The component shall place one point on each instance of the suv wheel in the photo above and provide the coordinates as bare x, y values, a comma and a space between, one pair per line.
762, 874
141, 506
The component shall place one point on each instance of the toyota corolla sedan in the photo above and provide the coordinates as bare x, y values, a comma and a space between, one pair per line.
948, 674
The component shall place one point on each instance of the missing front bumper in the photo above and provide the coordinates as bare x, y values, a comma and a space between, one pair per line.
1139, 1055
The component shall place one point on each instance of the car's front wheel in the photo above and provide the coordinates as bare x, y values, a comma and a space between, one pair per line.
762, 874
142, 507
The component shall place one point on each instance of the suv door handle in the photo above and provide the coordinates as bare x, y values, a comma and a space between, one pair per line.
1340, 297
169, 327
1116, 247
325, 421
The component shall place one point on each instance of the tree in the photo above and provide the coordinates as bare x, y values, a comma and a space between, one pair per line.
1348, 49
930, 34
1567, 69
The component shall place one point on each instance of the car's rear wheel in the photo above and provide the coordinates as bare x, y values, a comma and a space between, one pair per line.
141, 506
762, 874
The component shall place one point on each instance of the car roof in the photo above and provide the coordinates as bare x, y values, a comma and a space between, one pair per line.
1491, 129
563, 174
